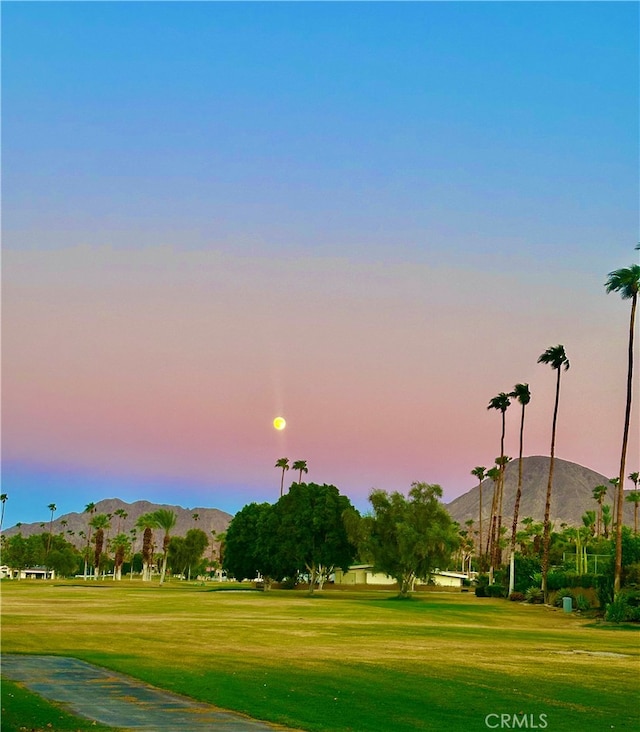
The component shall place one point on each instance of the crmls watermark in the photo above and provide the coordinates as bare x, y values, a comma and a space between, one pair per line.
516, 721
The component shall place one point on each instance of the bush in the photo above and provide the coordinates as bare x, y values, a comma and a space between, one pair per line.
563, 592
481, 591
517, 597
631, 574
582, 603
496, 591
526, 569
534, 595
625, 607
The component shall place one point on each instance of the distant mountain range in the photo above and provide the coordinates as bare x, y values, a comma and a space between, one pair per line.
571, 495
209, 520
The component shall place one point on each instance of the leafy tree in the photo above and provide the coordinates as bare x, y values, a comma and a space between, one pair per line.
410, 537
479, 472
634, 498
186, 552
555, 357
166, 520
244, 555
625, 281
284, 464
311, 531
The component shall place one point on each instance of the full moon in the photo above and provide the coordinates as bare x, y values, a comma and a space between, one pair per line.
279, 423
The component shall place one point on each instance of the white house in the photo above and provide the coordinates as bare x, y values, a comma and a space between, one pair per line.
363, 574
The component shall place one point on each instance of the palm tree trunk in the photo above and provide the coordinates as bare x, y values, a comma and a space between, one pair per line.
516, 507
480, 523
546, 536
623, 456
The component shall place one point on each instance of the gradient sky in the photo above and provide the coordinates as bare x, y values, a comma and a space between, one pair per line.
370, 218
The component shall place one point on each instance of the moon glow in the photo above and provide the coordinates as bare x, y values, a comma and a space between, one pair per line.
279, 423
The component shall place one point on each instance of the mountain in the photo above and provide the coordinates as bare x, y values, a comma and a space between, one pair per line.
209, 519
571, 494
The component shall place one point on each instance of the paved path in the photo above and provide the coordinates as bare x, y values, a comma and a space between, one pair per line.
121, 701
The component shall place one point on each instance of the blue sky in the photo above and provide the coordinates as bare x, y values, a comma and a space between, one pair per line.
380, 187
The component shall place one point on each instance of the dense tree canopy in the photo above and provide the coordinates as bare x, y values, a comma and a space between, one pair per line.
409, 537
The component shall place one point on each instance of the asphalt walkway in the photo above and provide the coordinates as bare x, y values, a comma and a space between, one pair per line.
121, 701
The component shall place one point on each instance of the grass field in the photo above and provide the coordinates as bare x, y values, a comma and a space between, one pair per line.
342, 660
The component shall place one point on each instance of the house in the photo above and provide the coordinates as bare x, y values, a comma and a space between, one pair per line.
363, 574
27, 573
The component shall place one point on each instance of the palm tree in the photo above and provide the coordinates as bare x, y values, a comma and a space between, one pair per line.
147, 522
633, 498
120, 545
300, 465
615, 482
122, 515
625, 281
607, 519
555, 357
523, 395
3, 498
494, 474
599, 493
166, 520
90, 508
479, 471
100, 522
52, 507
501, 403
284, 464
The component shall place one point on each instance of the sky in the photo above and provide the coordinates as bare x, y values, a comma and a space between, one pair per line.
369, 218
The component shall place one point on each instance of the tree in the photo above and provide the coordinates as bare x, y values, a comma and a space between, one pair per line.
555, 357
284, 464
523, 395
122, 515
626, 282
99, 522
165, 520
479, 472
90, 508
52, 507
311, 533
147, 523
634, 498
599, 493
301, 466
3, 499
607, 519
120, 546
244, 554
410, 537
500, 403
494, 474
185, 553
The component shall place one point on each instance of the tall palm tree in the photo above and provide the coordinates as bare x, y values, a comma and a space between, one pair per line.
500, 403
556, 357
165, 520
625, 281
147, 522
284, 464
52, 507
3, 499
100, 522
599, 493
479, 472
494, 474
607, 520
523, 395
122, 515
632, 498
615, 482
300, 465
90, 508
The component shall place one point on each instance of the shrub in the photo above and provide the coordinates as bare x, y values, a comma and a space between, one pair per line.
582, 603
625, 607
481, 591
534, 595
563, 592
496, 590
517, 597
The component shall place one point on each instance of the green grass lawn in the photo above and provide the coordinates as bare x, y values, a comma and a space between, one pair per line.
342, 660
